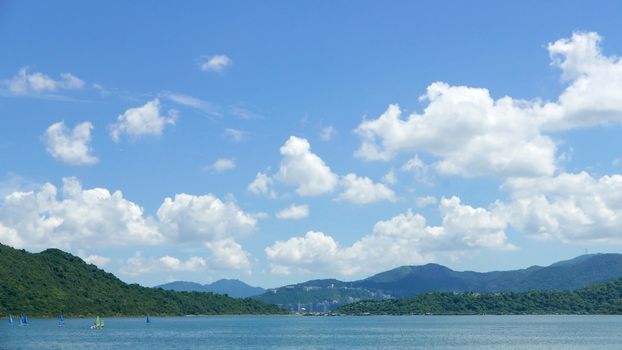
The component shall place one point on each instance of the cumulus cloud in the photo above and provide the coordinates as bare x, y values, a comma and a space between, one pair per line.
216, 63
142, 121
24, 82
469, 132
73, 218
70, 146
194, 263
203, 218
10, 237
309, 174
362, 190
226, 255
262, 185
590, 98
304, 169
76, 217
573, 208
472, 134
221, 165
294, 212
401, 240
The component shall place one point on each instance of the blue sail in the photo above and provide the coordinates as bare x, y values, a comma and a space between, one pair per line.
148, 320
61, 320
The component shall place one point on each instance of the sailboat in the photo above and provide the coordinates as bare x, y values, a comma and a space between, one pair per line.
23, 320
99, 324
148, 319
61, 320
10, 319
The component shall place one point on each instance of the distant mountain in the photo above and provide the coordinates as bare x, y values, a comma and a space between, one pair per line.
564, 275
53, 282
231, 287
234, 288
409, 281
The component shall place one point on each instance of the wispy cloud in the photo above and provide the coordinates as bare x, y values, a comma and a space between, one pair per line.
216, 63
235, 135
328, 133
206, 107
221, 165
243, 113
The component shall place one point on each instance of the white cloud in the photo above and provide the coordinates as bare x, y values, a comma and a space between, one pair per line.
82, 219
591, 97
97, 260
221, 165
401, 240
426, 201
235, 135
142, 121
216, 63
294, 212
389, 178
193, 102
72, 147
315, 252
362, 190
328, 133
188, 218
472, 134
24, 83
194, 263
304, 169
137, 265
418, 168
9, 236
262, 185
79, 218
573, 208
228, 254
467, 130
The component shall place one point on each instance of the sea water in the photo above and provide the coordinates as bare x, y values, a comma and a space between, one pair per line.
298, 332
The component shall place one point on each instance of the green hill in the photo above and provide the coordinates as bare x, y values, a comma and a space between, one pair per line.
51, 282
603, 298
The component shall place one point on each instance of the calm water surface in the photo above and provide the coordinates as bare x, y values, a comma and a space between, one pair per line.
292, 332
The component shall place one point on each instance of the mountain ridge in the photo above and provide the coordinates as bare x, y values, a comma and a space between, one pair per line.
412, 280
231, 287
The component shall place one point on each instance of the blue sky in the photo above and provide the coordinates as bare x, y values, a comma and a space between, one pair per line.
277, 142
